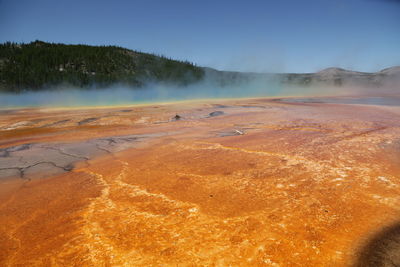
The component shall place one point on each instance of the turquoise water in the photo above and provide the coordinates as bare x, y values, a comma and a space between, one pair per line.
128, 96
161, 93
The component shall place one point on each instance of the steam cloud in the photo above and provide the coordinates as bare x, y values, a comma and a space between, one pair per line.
248, 85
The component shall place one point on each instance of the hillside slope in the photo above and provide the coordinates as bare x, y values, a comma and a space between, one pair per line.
40, 65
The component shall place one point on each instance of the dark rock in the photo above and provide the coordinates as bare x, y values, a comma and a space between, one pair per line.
176, 117
216, 113
69, 167
87, 120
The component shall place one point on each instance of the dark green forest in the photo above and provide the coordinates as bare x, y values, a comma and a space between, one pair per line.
40, 65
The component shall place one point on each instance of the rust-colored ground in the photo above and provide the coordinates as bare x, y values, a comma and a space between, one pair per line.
265, 183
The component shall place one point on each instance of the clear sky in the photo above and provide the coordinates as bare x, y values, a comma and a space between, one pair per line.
269, 35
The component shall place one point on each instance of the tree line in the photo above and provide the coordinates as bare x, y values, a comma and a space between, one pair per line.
40, 65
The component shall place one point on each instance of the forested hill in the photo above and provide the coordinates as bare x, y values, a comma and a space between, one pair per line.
39, 65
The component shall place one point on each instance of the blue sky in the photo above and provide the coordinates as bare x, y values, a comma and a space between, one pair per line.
262, 36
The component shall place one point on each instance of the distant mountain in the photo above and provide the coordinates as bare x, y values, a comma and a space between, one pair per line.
329, 76
337, 72
39, 65
393, 71
341, 77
